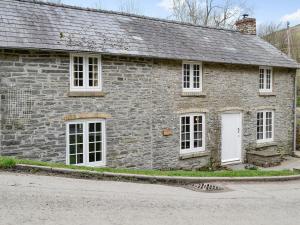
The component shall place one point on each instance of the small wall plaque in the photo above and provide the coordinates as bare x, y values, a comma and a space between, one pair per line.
167, 132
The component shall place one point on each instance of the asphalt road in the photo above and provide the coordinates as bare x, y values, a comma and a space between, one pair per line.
39, 200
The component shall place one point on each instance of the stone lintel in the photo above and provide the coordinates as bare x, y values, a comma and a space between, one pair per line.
265, 108
192, 110
232, 109
79, 116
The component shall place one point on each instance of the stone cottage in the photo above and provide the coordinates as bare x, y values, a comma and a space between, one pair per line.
100, 88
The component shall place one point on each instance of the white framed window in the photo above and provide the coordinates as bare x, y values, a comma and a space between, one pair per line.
192, 76
85, 72
265, 79
86, 143
265, 126
192, 133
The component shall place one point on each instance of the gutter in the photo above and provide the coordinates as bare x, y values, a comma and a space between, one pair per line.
294, 65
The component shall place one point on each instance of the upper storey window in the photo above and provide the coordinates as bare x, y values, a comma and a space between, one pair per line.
265, 79
85, 73
192, 76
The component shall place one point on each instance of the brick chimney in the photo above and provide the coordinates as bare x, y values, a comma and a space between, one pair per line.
246, 25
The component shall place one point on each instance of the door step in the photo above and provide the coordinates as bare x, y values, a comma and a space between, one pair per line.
264, 158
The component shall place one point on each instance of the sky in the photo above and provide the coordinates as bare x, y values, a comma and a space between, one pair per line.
265, 11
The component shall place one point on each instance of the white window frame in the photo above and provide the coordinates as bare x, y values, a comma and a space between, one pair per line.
86, 142
191, 88
265, 139
85, 87
192, 149
265, 89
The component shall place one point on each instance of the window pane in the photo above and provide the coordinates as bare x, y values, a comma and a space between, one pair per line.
98, 146
98, 127
259, 128
261, 79
268, 79
98, 137
80, 158
196, 76
93, 71
186, 75
72, 159
92, 157
91, 127
79, 138
185, 132
72, 128
76, 143
80, 148
98, 156
92, 147
91, 137
72, 139
95, 140
269, 125
78, 71
72, 149
198, 129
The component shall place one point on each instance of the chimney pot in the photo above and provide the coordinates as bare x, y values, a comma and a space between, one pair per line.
245, 16
246, 25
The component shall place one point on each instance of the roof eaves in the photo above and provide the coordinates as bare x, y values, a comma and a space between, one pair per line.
291, 66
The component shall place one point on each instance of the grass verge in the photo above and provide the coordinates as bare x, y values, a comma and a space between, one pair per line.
7, 162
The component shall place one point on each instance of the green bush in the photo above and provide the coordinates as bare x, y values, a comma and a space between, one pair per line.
7, 163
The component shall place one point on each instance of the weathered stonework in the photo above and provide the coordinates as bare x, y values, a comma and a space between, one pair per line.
246, 26
143, 97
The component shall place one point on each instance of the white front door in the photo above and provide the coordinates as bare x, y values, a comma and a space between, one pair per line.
231, 137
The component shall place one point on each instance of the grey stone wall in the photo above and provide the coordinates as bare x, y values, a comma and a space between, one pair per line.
144, 97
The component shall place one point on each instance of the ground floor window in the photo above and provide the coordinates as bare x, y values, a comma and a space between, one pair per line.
86, 142
265, 127
192, 133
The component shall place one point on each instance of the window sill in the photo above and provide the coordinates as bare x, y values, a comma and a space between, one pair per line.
86, 94
265, 144
99, 165
183, 156
192, 94
266, 94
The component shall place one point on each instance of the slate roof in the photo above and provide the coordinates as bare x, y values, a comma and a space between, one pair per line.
28, 24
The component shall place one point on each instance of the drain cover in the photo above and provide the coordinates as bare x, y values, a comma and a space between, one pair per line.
205, 187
